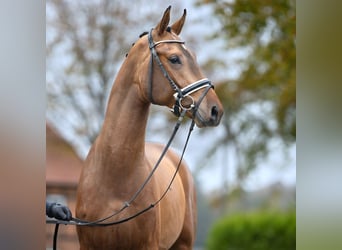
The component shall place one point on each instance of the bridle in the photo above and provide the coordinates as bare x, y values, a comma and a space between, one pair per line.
179, 94
179, 110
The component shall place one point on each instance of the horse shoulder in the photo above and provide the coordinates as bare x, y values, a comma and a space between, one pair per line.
181, 198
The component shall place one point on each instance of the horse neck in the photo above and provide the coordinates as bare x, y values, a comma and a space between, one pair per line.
122, 138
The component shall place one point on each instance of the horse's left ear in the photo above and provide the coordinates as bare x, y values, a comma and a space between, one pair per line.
164, 22
178, 25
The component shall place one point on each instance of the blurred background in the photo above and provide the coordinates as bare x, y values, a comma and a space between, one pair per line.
245, 169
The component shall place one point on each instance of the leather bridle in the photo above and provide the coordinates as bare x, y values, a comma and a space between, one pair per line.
180, 93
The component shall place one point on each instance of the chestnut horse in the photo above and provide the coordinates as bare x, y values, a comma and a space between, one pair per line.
159, 69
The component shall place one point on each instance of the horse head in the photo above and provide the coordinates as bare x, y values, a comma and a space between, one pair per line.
169, 74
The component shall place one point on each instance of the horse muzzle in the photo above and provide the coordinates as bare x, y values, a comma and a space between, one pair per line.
208, 116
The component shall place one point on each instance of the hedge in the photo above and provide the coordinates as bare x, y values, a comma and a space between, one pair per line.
256, 231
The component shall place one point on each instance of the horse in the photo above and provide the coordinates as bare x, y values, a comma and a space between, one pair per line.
159, 69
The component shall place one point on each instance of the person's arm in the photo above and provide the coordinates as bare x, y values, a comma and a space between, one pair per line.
58, 211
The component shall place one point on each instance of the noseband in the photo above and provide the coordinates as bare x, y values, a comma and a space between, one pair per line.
180, 93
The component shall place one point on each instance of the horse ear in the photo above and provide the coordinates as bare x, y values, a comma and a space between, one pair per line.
178, 25
162, 25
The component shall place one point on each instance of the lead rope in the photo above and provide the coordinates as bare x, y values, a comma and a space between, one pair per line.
55, 237
128, 203
79, 222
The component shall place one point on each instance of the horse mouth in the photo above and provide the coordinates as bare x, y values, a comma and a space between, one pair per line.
212, 121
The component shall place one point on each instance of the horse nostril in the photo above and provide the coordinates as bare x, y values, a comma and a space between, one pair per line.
214, 113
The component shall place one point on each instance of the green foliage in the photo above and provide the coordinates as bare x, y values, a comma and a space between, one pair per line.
259, 231
266, 31
267, 28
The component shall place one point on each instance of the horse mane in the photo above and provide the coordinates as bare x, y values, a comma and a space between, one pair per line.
143, 34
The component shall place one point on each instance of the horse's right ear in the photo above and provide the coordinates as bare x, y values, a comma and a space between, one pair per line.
177, 26
162, 25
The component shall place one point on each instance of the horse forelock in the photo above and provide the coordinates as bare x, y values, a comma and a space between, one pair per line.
168, 29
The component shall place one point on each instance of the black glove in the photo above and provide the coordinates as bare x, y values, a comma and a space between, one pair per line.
58, 211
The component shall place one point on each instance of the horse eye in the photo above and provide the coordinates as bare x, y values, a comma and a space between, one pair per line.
175, 60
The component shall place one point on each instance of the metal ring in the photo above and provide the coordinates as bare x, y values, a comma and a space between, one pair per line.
190, 106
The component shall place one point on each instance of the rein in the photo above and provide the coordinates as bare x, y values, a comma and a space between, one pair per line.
179, 110
100, 222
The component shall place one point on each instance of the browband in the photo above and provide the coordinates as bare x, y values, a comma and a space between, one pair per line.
167, 41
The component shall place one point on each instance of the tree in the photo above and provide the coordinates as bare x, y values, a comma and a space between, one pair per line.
260, 103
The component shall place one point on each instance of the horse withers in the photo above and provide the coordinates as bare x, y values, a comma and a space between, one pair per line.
159, 69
